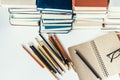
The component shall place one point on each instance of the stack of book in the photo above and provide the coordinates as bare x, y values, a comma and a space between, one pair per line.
52, 16
50, 55
112, 20
89, 13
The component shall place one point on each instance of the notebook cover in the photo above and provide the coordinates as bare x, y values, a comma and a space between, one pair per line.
97, 58
82, 70
105, 45
54, 4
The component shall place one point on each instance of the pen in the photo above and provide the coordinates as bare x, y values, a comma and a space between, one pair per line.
87, 64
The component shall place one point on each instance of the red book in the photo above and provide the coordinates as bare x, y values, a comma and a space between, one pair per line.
89, 4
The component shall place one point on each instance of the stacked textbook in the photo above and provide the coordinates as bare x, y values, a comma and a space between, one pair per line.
52, 16
89, 13
112, 20
59, 16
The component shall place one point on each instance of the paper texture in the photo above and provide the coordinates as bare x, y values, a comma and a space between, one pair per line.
96, 58
105, 45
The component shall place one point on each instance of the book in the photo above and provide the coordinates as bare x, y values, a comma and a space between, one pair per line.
55, 4
87, 15
89, 23
112, 21
24, 22
57, 21
97, 53
18, 3
111, 27
114, 6
113, 15
26, 15
23, 10
90, 4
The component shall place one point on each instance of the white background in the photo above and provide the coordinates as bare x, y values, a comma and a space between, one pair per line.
16, 64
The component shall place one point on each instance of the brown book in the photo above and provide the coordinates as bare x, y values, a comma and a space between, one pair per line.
79, 4
101, 53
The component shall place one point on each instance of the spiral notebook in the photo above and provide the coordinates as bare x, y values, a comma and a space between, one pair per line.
101, 53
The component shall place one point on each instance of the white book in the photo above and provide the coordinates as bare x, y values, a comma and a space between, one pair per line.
21, 22
26, 15
112, 21
18, 3
113, 15
57, 21
111, 27
57, 16
90, 15
54, 31
114, 5
89, 11
23, 10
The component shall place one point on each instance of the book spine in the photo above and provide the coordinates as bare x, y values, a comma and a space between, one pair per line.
100, 61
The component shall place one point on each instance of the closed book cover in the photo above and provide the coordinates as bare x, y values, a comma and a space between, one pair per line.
98, 52
55, 4
90, 3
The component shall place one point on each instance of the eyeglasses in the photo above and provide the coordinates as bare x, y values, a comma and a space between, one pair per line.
113, 55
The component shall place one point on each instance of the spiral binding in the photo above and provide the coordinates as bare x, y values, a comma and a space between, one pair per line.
101, 63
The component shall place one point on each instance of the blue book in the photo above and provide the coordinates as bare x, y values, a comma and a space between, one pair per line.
54, 4
57, 27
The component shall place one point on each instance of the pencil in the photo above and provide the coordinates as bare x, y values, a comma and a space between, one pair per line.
87, 64
36, 58
47, 55
33, 56
60, 63
53, 43
56, 54
62, 50
42, 58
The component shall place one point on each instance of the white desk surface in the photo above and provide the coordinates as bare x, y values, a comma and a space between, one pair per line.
15, 64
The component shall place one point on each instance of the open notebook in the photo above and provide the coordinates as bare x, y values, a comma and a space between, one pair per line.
101, 53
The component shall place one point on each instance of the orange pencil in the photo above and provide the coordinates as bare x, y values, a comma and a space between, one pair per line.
62, 50
33, 56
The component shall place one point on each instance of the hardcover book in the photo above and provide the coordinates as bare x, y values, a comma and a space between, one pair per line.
90, 4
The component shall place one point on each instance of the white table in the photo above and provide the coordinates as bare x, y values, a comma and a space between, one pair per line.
15, 64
